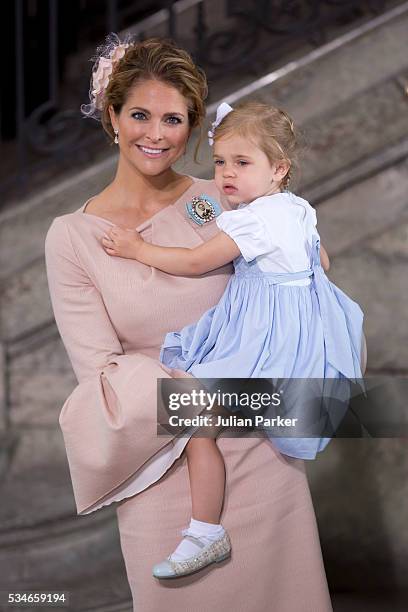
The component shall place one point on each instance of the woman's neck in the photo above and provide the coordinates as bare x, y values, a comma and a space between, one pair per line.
132, 189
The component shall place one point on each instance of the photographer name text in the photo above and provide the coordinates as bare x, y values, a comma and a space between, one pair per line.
230, 421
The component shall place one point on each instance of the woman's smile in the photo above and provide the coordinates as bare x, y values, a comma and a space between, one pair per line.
152, 152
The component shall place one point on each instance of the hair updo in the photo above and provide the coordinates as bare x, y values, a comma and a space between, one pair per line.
159, 59
269, 128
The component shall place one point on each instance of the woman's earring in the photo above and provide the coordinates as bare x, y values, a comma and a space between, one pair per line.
116, 141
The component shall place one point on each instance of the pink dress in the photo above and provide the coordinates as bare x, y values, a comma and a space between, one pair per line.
113, 314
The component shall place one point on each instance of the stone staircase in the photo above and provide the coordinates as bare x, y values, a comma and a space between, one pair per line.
352, 109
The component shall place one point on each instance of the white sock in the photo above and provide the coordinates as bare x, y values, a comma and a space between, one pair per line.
206, 532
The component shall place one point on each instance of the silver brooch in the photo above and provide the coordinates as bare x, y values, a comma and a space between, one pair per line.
203, 209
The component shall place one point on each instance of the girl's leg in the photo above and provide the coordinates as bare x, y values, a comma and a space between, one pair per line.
206, 470
207, 479
207, 483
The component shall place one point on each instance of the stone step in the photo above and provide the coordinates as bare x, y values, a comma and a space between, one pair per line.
34, 398
61, 547
44, 538
24, 229
97, 584
45, 546
345, 66
358, 488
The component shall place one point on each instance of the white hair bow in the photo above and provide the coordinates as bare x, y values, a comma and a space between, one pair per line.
222, 111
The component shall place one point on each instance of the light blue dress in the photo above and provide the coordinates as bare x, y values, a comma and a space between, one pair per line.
280, 317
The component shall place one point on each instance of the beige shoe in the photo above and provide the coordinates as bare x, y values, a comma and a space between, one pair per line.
215, 552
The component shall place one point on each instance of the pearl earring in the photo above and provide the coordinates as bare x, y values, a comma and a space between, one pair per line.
116, 141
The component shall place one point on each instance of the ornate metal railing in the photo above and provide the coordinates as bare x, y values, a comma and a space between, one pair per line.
42, 131
282, 20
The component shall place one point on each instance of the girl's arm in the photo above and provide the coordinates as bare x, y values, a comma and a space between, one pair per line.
324, 258
213, 254
178, 260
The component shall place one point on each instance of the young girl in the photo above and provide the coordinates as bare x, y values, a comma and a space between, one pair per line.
280, 317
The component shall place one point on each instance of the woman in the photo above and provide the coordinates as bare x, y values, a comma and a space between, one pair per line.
113, 315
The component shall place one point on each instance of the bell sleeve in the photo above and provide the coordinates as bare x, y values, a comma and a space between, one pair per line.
246, 229
109, 422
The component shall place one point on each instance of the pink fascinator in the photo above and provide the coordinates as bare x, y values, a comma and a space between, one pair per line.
107, 56
222, 111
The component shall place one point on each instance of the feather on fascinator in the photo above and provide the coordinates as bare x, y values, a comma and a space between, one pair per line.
107, 55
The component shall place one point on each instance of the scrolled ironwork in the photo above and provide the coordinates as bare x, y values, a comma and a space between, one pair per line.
238, 44
49, 130
284, 19
230, 46
282, 16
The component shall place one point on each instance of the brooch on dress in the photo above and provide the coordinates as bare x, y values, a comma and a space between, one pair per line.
203, 209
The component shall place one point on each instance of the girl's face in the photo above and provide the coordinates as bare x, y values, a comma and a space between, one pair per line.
153, 127
243, 172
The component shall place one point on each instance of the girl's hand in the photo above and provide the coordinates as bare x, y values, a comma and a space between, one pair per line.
121, 242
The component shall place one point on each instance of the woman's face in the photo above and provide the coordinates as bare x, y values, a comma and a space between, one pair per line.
153, 127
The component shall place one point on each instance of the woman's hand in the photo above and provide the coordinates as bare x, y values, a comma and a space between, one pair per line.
121, 242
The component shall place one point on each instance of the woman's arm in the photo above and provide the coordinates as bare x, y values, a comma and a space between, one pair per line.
110, 420
213, 254
80, 314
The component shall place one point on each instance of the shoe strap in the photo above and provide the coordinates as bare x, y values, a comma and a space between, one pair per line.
192, 538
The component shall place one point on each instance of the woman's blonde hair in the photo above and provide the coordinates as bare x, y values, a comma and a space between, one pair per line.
159, 59
271, 129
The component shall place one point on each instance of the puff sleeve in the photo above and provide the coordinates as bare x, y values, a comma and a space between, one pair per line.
246, 229
311, 222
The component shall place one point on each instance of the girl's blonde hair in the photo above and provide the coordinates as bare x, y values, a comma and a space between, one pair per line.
271, 129
159, 59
